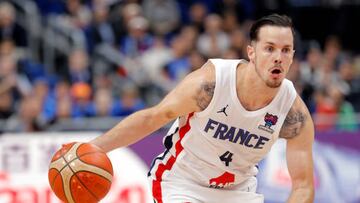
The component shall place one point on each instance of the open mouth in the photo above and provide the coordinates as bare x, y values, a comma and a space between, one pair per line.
276, 71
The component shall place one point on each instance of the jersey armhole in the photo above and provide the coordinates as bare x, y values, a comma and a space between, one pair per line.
293, 95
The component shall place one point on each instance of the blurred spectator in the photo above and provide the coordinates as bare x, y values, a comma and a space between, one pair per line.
328, 74
129, 102
52, 102
29, 111
139, 39
6, 104
166, 66
348, 74
102, 80
101, 3
179, 66
295, 76
333, 51
62, 89
40, 89
190, 35
7, 48
26, 119
309, 73
326, 111
163, 15
231, 53
333, 112
100, 30
63, 108
77, 14
9, 30
197, 60
26, 66
214, 41
197, 15
239, 42
120, 19
346, 118
154, 59
240, 10
230, 22
11, 80
33, 71
103, 103
78, 67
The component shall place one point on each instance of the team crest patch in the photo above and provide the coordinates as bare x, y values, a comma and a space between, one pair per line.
270, 120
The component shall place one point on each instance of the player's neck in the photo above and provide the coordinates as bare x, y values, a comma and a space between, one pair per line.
252, 92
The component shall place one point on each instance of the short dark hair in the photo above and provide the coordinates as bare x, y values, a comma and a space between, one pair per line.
273, 19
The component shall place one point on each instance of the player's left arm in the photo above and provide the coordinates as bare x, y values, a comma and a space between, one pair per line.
298, 130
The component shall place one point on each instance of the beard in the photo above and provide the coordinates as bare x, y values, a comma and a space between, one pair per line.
273, 84
269, 82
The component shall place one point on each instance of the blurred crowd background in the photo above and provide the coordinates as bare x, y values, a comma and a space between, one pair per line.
83, 64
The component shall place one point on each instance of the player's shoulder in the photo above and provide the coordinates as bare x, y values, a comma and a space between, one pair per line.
208, 71
209, 68
298, 108
299, 104
205, 73
297, 117
200, 85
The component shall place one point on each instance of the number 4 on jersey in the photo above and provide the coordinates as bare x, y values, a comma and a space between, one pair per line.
226, 157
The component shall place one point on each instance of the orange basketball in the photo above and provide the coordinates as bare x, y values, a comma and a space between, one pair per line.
80, 172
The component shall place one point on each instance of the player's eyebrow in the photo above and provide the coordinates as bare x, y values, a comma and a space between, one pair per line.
273, 44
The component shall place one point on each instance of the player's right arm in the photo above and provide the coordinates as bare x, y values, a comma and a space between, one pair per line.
298, 130
193, 94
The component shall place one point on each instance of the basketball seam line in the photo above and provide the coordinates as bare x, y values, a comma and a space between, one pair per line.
95, 174
97, 199
105, 169
59, 171
68, 164
77, 157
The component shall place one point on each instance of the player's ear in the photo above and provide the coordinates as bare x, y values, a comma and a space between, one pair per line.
251, 52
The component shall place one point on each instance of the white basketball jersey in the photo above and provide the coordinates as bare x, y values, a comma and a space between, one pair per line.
221, 146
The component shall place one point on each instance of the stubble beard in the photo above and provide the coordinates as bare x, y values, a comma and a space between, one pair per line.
270, 83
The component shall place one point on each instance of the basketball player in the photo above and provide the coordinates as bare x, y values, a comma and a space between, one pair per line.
228, 115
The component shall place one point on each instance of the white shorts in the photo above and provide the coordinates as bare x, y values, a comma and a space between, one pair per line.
178, 190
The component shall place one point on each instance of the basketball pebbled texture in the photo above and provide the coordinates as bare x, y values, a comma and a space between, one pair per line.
80, 172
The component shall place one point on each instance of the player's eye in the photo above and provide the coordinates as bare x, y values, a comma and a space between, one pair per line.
286, 50
269, 49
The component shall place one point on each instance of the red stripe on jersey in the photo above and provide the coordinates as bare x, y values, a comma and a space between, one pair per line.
156, 185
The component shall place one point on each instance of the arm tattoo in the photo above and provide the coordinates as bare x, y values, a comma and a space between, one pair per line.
293, 124
205, 94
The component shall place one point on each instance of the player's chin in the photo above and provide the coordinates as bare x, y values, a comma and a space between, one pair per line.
274, 83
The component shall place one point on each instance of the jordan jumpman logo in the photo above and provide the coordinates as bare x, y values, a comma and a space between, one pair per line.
223, 110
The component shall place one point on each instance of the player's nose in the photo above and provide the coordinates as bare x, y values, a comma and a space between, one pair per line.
277, 57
